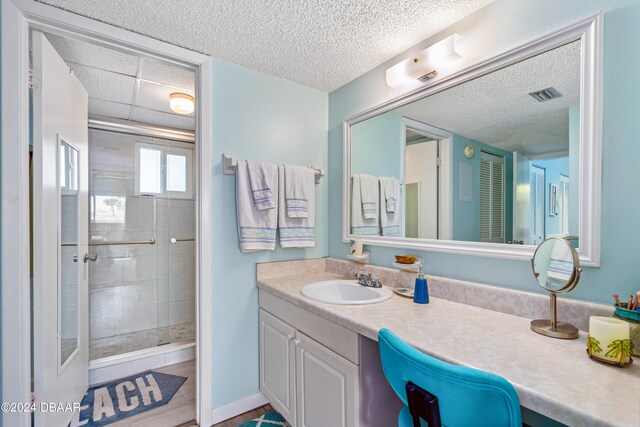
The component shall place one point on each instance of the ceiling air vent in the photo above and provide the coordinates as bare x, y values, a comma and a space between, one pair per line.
546, 94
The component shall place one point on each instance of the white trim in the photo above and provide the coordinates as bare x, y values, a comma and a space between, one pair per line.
238, 407
204, 244
18, 16
16, 324
589, 31
111, 368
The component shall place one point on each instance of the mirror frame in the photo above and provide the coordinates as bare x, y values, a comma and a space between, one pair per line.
589, 32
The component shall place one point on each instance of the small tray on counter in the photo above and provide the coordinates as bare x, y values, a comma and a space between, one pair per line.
404, 292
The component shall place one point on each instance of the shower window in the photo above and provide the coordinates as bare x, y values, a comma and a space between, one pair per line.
164, 170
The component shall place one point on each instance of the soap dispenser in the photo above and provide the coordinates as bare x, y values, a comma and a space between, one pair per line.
421, 290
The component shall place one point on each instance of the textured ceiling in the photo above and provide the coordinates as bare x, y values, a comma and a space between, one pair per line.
322, 44
497, 109
125, 86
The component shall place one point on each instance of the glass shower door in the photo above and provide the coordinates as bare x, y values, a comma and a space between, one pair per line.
176, 251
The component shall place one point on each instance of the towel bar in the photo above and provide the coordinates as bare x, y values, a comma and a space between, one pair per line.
229, 163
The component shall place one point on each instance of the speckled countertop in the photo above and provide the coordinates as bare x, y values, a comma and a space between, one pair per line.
552, 377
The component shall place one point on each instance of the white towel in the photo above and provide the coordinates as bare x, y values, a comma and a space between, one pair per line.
256, 228
295, 232
390, 221
389, 192
359, 225
561, 263
370, 196
261, 178
299, 187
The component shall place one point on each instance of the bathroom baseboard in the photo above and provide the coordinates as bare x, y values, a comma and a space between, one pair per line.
238, 407
112, 368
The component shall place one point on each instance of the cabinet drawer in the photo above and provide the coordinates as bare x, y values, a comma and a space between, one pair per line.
337, 338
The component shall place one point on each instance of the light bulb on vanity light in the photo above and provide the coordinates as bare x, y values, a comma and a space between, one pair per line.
425, 64
182, 103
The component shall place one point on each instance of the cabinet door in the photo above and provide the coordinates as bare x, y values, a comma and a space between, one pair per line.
277, 364
326, 386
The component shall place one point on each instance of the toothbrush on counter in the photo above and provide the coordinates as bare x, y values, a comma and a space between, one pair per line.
618, 303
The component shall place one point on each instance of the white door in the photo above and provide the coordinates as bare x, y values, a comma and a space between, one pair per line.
421, 166
491, 198
278, 364
60, 233
326, 386
537, 205
522, 198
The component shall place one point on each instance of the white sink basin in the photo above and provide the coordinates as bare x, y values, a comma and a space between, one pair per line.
345, 292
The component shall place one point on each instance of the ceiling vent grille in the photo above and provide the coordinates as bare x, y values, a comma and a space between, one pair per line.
546, 94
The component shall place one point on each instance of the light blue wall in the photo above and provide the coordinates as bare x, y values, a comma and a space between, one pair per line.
1, 142
553, 168
377, 146
500, 26
258, 117
466, 214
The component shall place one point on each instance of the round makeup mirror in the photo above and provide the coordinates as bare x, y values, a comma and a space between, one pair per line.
556, 267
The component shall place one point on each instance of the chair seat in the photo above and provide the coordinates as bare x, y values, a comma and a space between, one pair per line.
465, 396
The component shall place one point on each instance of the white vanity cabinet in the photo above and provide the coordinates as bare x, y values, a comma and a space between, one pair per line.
326, 386
310, 384
278, 364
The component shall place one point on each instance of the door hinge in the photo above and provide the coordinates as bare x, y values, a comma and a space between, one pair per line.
32, 82
438, 161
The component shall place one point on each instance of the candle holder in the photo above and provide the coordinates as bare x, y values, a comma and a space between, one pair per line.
608, 341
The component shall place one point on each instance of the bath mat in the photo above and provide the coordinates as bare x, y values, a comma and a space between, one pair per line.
110, 402
270, 419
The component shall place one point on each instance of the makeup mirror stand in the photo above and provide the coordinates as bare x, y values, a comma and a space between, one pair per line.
552, 327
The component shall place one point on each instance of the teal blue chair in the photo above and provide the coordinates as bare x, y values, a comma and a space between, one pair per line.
437, 393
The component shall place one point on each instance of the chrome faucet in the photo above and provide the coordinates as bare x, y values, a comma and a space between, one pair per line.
369, 280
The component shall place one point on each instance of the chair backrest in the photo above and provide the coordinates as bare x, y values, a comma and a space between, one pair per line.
466, 396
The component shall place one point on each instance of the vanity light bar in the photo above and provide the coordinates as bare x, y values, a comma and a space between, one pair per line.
425, 64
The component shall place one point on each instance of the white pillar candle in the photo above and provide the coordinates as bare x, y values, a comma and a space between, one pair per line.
608, 337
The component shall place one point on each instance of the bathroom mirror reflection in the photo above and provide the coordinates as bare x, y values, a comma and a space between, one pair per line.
69, 260
495, 159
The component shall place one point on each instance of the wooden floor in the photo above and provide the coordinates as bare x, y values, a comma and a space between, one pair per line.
181, 411
247, 416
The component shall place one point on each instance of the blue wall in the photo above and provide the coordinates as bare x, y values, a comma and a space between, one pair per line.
466, 214
259, 117
498, 27
377, 146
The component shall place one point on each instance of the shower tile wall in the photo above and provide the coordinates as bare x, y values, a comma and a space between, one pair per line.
141, 296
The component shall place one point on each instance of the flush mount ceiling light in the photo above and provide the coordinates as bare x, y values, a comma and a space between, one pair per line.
182, 103
425, 64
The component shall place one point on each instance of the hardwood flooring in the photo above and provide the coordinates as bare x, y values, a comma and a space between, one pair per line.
247, 416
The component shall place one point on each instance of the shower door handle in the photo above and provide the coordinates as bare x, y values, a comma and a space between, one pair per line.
90, 257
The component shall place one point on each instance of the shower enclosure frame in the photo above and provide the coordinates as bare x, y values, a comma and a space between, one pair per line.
18, 18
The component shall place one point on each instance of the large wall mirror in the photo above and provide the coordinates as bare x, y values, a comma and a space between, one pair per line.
493, 160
